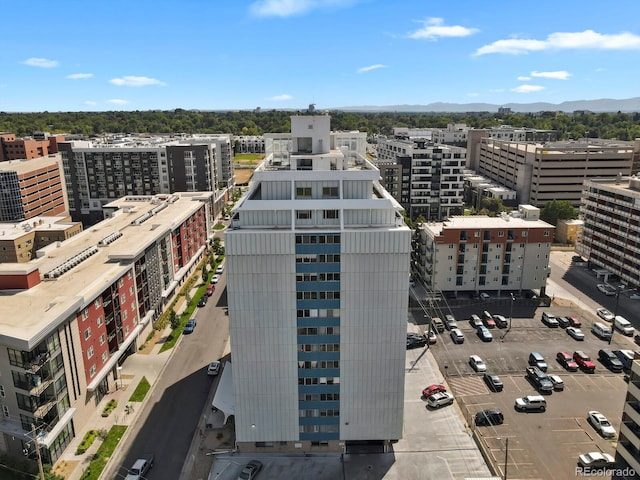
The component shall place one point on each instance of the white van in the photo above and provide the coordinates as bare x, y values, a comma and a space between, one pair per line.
601, 330
623, 325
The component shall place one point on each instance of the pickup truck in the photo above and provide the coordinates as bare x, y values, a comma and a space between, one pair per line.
540, 379
140, 467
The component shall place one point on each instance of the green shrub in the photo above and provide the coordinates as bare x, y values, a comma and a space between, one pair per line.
87, 441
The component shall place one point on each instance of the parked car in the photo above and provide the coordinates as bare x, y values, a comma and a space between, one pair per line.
596, 460
607, 289
250, 470
567, 361
475, 321
575, 333
440, 399
563, 322
493, 381
537, 360
584, 361
484, 334
549, 319
432, 337
490, 416
558, 384
203, 301
501, 321
213, 368
210, 290
623, 326
601, 330
220, 268
456, 335
450, 322
438, 324
531, 403
417, 341
432, 389
190, 326
485, 296
610, 360
574, 321
601, 424
215, 278
634, 296
488, 320
477, 363
605, 314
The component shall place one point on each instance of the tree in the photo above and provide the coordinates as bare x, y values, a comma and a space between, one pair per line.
558, 210
173, 319
205, 272
492, 206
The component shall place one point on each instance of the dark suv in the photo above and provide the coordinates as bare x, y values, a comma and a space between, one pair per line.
490, 416
610, 360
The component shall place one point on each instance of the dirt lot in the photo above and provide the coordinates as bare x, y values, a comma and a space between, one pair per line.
243, 175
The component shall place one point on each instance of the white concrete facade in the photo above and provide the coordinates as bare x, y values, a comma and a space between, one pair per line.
317, 269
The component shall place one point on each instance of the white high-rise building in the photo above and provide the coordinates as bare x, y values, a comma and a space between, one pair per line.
318, 278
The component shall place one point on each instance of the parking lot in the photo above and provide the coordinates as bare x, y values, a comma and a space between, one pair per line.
540, 445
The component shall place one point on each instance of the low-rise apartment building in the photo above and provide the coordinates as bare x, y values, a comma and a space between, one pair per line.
509, 253
41, 145
69, 317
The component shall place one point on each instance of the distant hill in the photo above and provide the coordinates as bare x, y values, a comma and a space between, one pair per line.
600, 105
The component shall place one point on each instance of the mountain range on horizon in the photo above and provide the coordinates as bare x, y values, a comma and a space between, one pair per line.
601, 105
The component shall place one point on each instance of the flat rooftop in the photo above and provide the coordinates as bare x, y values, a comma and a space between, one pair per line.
26, 316
25, 166
15, 230
483, 221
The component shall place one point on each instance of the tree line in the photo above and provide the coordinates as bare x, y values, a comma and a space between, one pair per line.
622, 126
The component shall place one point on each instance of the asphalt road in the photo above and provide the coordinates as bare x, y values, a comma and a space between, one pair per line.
171, 414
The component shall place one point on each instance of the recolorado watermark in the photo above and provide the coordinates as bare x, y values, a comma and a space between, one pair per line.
626, 472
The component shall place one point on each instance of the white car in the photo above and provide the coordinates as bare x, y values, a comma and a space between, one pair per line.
575, 333
213, 368
635, 296
477, 363
439, 399
220, 268
605, 314
485, 296
558, 384
596, 460
456, 335
606, 289
601, 424
215, 278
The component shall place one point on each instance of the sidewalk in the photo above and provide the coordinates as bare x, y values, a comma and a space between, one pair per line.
147, 363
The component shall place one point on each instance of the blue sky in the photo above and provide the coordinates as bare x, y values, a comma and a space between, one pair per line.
79, 55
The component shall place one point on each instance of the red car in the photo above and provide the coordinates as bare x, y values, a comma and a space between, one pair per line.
567, 361
431, 389
210, 290
575, 322
584, 361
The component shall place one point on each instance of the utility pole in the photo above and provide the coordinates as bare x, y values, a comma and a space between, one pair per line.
506, 456
34, 433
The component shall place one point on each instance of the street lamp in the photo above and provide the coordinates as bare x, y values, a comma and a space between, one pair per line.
513, 299
615, 310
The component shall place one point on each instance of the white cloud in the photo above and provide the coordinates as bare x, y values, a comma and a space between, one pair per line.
527, 88
434, 28
79, 76
523, 78
133, 81
90, 102
41, 62
564, 41
287, 8
118, 101
557, 75
280, 98
371, 67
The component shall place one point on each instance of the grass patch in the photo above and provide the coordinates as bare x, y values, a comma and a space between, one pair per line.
219, 226
248, 158
141, 390
104, 452
87, 441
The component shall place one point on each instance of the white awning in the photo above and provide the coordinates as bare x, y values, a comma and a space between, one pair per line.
224, 400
